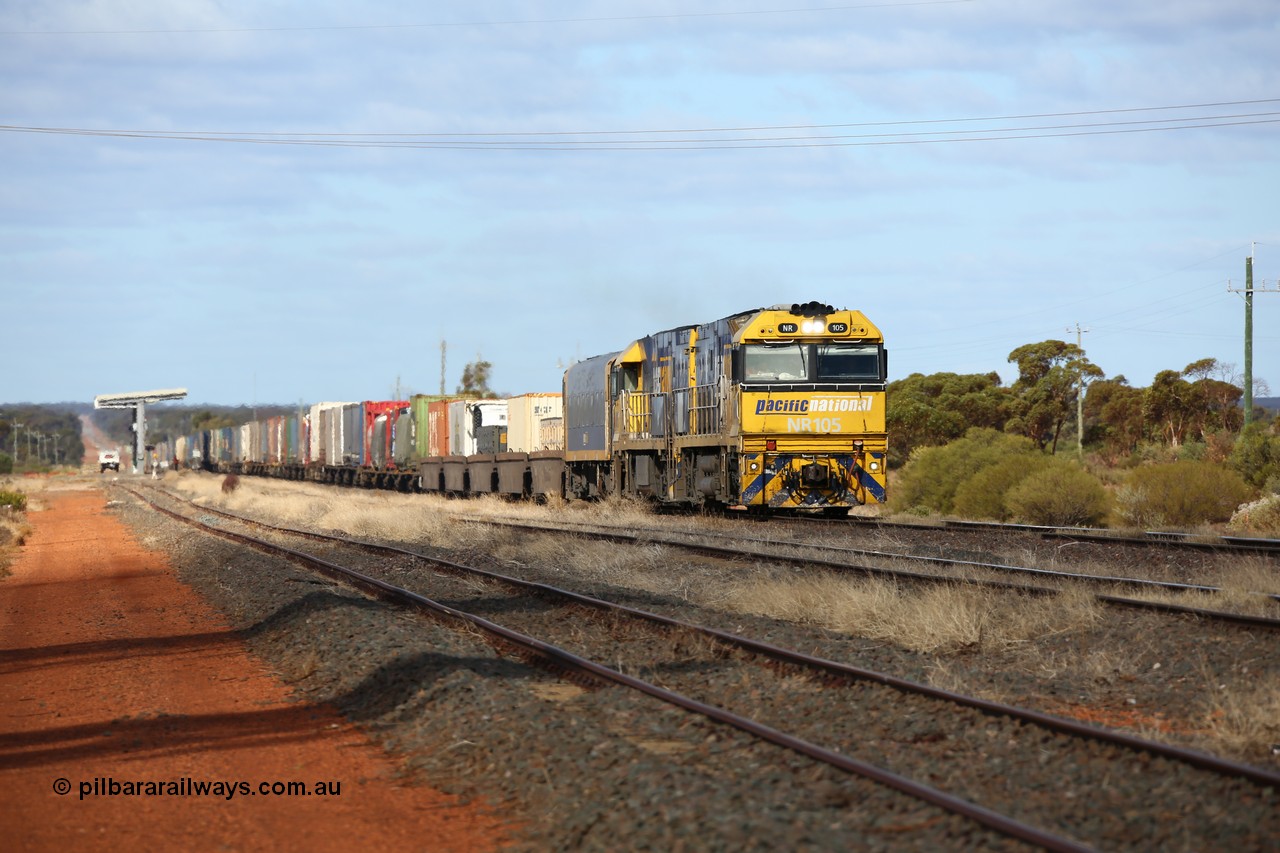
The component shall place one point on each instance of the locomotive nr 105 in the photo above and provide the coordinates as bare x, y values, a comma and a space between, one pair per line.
776, 408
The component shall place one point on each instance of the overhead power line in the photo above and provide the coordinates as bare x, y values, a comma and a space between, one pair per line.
989, 129
499, 23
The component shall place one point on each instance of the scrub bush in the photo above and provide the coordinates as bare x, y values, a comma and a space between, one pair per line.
1257, 455
17, 500
1260, 518
934, 475
984, 494
1058, 493
1180, 494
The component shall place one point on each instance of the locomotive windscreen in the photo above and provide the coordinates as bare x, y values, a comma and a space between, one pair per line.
848, 363
799, 362
776, 362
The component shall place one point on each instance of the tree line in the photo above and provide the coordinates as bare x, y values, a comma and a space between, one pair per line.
36, 437
1199, 404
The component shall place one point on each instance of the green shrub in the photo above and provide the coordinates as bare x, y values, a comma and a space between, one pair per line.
1180, 494
983, 495
1257, 455
1191, 450
932, 477
1058, 493
6, 463
1260, 518
17, 500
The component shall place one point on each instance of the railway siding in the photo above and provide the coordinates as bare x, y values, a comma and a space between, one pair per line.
909, 732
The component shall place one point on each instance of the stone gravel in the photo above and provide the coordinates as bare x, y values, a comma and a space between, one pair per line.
588, 768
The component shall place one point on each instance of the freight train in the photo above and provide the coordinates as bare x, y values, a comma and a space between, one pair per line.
771, 409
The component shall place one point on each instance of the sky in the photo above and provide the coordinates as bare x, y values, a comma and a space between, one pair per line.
279, 202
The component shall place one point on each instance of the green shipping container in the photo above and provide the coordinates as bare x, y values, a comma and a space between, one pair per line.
421, 424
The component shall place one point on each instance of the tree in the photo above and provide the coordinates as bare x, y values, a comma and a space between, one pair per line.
1178, 408
1257, 456
1113, 415
1168, 406
1216, 401
475, 379
1050, 375
207, 420
925, 411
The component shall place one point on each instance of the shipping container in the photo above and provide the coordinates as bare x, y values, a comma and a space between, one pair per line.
295, 439
222, 446
331, 420
404, 441
351, 451
525, 415
467, 418
274, 429
420, 412
437, 428
315, 432
376, 430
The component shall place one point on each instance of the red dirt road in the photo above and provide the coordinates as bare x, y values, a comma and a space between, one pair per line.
112, 669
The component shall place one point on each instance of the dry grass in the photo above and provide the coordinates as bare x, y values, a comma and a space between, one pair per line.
14, 528
14, 531
1241, 591
941, 618
1248, 577
1245, 721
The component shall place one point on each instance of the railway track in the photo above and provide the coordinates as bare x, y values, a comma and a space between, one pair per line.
838, 559
934, 735
1146, 539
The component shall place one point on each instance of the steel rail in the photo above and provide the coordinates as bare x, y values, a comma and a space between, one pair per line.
1196, 758
1149, 538
1173, 586
567, 660
716, 551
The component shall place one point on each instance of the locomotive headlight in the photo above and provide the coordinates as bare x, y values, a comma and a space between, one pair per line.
753, 467
813, 327
874, 466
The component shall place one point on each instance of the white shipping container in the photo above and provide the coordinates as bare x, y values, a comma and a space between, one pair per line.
331, 435
525, 415
315, 431
465, 416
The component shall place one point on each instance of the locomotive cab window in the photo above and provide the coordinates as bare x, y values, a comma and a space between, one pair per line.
775, 363
848, 363
625, 377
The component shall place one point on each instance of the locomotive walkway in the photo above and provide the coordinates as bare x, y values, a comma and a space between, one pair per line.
119, 687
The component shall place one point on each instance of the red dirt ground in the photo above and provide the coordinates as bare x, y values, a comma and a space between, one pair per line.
112, 669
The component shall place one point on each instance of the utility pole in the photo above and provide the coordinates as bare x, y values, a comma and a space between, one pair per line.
1248, 330
1080, 396
16, 428
443, 346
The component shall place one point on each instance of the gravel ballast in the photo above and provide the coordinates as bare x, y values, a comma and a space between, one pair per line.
586, 767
